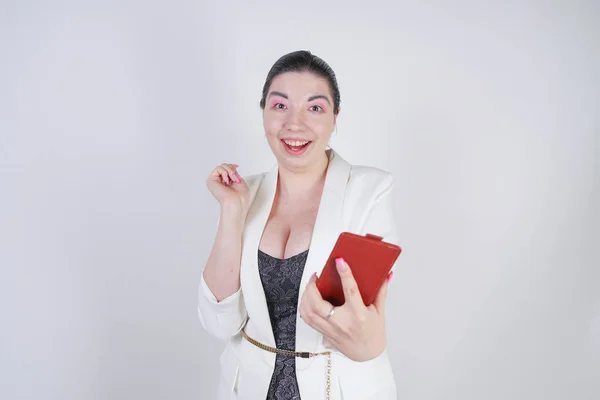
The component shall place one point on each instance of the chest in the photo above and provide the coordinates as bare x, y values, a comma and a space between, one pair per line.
289, 229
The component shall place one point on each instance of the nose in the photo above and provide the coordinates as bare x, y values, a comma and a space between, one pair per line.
294, 121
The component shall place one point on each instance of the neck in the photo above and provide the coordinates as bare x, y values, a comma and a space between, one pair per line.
298, 183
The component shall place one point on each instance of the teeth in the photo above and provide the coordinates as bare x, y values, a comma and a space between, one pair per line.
295, 143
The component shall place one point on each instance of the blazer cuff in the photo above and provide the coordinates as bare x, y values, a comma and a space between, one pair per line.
231, 301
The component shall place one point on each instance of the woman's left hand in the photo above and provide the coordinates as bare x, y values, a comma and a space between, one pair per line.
356, 330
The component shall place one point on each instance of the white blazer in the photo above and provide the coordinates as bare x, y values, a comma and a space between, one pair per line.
356, 199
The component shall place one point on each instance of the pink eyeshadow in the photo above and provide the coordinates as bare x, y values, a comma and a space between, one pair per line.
277, 101
321, 104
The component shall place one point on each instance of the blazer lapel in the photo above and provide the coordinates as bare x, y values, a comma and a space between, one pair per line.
255, 299
328, 226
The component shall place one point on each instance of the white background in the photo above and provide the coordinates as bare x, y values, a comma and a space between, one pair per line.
112, 113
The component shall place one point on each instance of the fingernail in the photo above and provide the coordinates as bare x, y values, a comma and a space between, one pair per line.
390, 276
341, 265
226, 180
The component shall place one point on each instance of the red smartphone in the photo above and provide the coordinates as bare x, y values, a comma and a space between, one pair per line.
370, 260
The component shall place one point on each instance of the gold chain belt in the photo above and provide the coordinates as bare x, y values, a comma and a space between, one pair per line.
291, 353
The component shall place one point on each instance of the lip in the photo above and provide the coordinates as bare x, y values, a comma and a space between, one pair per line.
298, 139
296, 152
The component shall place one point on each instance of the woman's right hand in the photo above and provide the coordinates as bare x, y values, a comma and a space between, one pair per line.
228, 187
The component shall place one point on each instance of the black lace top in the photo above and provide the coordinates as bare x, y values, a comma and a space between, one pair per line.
281, 283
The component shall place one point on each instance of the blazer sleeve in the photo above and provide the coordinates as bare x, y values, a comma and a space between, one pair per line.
222, 319
380, 219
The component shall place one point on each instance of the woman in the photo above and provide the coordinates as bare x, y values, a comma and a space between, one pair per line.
275, 233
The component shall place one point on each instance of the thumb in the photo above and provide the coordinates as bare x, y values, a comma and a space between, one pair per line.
351, 292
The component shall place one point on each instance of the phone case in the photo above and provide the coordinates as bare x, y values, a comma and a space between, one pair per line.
370, 260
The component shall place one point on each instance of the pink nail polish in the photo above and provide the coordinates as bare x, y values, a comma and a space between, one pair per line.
341, 265
390, 276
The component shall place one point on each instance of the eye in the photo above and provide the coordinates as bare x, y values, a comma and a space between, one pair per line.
279, 106
316, 108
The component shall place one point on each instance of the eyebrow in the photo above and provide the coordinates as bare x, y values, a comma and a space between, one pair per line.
319, 96
311, 98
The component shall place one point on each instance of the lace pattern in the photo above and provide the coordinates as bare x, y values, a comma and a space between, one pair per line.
281, 284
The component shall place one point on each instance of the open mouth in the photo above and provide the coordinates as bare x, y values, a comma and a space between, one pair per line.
296, 146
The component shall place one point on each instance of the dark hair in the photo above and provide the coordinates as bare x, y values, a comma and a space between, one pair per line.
303, 61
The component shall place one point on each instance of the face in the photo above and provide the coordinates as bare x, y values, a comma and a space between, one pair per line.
298, 118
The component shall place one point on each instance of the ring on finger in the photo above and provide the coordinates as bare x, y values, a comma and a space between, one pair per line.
330, 313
